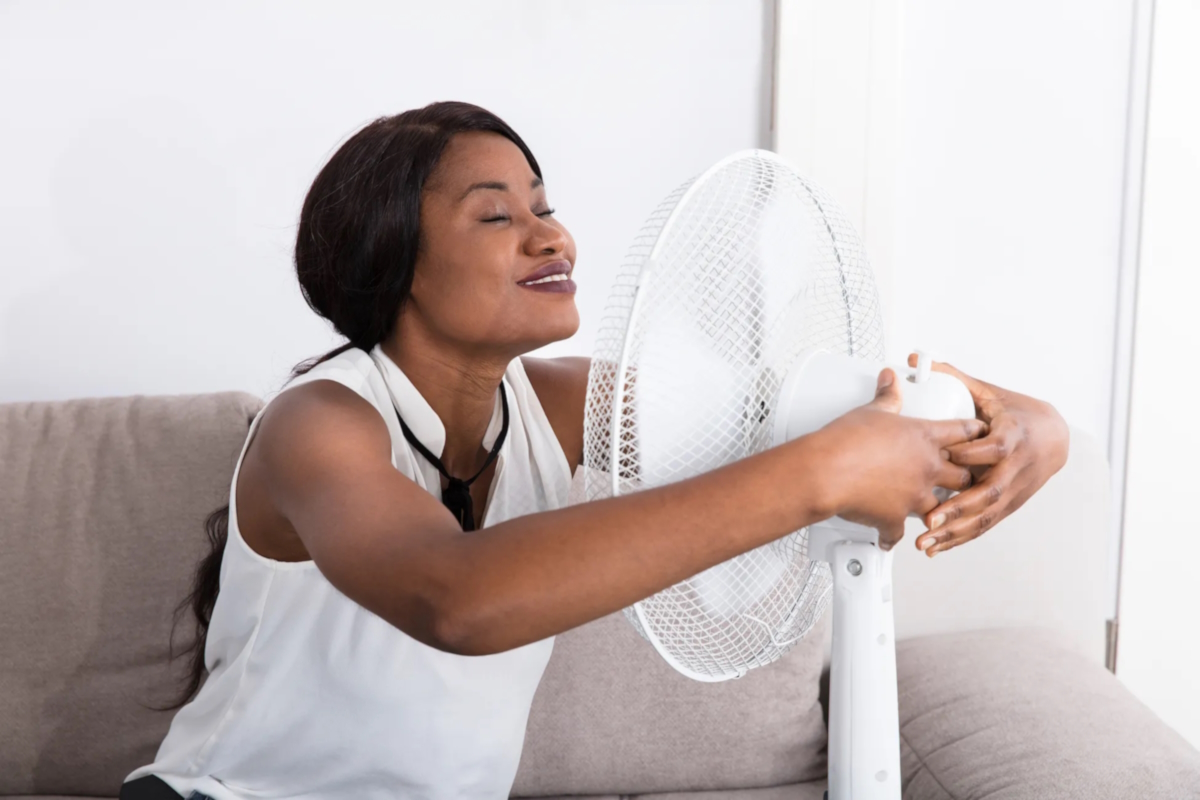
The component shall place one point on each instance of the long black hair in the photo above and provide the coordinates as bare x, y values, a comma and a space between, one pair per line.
356, 248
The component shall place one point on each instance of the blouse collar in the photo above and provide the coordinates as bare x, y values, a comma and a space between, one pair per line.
420, 417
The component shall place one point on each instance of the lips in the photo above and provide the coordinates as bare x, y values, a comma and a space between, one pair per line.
554, 268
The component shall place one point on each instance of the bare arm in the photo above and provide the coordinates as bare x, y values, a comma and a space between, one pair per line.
391, 547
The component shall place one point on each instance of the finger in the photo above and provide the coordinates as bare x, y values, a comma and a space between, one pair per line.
991, 449
971, 529
953, 477
971, 501
979, 453
887, 394
889, 535
976, 517
947, 432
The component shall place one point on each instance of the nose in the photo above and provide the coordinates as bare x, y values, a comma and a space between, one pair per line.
545, 239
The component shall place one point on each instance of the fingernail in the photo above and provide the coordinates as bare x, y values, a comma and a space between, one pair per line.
937, 521
924, 545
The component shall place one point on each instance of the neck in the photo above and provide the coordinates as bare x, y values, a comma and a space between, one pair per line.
459, 386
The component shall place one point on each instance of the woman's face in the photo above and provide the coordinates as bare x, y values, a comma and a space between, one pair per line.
486, 231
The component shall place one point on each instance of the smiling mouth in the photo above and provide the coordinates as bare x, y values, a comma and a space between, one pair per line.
562, 276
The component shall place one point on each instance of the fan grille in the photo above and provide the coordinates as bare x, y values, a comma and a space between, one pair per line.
734, 275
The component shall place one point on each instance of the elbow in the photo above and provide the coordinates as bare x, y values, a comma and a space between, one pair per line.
457, 629
446, 607
449, 632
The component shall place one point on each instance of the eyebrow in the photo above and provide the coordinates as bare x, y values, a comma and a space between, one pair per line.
499, 186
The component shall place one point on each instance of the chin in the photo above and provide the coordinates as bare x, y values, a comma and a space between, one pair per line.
556, 328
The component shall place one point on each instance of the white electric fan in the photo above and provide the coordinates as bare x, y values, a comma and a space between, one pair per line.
744, 316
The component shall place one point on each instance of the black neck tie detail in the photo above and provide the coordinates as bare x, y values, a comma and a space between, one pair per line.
457, 496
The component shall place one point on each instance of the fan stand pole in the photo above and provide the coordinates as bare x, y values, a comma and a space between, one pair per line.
864, 724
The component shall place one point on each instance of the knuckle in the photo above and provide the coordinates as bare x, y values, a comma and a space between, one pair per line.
964, 479
994, 492
986, 520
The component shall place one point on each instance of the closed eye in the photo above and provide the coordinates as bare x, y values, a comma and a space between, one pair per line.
504, 218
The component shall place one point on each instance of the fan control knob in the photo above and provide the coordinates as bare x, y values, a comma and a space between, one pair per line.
924, 367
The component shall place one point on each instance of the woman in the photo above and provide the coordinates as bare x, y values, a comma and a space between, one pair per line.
367, 641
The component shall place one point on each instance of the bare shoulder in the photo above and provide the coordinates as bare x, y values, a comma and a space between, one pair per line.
319, 433
305, 433
328, 409
561, 388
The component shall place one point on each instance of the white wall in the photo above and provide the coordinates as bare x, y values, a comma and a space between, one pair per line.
1000, 204
982, 158
154, 158
1159, 657
979, 146
1011, 153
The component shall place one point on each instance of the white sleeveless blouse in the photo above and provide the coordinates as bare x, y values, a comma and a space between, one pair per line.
310, 695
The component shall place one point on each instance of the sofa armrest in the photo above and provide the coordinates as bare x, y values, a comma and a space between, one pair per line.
1015, 714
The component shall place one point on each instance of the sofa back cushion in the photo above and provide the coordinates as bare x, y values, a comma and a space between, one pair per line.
612, 717
102, 509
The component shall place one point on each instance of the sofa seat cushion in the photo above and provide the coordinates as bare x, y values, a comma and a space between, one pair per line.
102, 512
1012, 714
814, 790
811, 790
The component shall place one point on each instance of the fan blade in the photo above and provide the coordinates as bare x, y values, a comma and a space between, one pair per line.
688, 402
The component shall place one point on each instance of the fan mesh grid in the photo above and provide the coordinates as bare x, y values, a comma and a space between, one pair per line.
739, 272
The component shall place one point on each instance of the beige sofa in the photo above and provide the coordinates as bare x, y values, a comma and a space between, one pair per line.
101, 510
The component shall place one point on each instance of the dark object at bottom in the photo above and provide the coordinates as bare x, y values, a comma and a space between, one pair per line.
152, 787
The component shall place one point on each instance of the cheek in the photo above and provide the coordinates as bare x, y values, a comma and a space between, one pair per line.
466, 289
466, 259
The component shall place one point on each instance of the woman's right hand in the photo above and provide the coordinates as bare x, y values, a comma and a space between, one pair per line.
879, 467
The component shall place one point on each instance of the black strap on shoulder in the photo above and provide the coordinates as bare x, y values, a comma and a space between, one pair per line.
457, 496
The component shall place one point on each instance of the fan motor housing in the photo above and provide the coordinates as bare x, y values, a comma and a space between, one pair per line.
823, 386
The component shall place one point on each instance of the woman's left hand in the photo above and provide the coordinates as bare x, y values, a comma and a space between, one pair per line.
1026, 444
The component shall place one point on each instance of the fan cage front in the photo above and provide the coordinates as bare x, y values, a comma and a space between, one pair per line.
743, 268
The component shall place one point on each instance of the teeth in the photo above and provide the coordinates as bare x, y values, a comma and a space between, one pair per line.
547, 279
